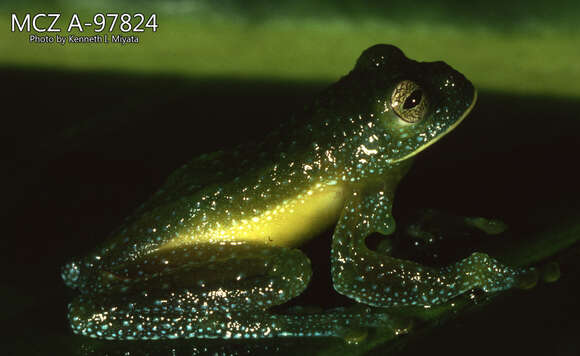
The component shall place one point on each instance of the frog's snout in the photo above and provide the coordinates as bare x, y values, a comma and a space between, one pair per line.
70, 274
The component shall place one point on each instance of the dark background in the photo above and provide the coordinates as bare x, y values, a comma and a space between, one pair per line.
72, 180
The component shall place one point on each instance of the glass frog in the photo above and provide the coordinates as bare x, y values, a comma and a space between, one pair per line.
217, 245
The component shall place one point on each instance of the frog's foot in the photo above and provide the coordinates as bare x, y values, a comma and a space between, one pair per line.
484, 272
362, 320
356, 336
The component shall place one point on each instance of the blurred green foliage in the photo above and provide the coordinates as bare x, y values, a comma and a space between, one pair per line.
524, 47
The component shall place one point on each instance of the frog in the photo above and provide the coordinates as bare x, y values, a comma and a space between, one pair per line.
219, 245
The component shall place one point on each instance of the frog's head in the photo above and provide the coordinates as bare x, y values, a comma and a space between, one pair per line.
415, 103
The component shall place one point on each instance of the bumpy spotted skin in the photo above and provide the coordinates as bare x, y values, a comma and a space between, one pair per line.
230, 296
216, 247
230, 306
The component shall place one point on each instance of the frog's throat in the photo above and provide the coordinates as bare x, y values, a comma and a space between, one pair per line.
443, 133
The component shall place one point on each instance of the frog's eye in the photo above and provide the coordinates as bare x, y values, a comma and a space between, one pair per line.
409, 102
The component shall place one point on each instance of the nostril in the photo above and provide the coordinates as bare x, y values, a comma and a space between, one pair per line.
70, 274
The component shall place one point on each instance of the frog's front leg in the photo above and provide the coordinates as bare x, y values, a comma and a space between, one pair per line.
382, 280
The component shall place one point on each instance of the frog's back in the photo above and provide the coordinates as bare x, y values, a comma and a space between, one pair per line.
210, 171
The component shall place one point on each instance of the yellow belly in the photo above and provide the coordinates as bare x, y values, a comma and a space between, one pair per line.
289, 223
296, 220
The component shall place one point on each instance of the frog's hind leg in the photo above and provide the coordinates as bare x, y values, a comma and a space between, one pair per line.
213, 291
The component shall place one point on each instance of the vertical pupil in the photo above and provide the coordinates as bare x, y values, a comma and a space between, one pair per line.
413, 100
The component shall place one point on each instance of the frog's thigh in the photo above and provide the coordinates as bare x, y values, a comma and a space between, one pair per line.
250, 276
220, 297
